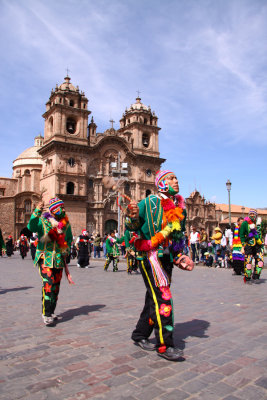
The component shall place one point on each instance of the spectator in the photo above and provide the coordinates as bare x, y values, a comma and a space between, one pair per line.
97, 245
229, 236
203, 243
194, 240
223, 246
186, 244
208, 259
217, 236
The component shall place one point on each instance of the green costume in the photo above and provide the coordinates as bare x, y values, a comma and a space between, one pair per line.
54, 243
50, 251
112, 252
251, 239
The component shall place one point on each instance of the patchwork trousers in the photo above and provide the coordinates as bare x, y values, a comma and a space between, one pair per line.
157, 313
51, 278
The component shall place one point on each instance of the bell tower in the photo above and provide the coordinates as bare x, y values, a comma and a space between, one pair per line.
66, 116
141, 124
65, 150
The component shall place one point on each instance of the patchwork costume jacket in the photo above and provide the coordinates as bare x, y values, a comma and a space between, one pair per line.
50, 251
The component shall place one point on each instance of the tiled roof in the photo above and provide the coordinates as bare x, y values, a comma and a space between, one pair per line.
238, 209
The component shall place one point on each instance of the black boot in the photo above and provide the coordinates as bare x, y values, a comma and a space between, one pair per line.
172, 354
145, 345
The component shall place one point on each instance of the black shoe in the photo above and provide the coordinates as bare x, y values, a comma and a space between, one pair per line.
173, 354
255, 276
146, 345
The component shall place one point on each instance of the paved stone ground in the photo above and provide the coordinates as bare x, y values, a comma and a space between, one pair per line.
220, 322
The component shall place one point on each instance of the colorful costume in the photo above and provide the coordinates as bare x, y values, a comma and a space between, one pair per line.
237, 255
250, 235
161, 225
113, 252
131, 253
54, 241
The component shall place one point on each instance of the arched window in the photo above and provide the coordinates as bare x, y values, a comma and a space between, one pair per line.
70, 188
148, 192
71, 103
110, 225
145, 121
28, 206
196, 212
50, 124
71, 125
90, 184
145, 140
27, 172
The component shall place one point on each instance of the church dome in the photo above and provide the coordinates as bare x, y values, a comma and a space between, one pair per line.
138, 106
67, 86
30, 155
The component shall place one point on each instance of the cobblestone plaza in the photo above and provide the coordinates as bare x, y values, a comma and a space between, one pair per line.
220, 323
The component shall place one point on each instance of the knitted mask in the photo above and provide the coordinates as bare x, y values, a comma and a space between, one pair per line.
161, 183
171, 191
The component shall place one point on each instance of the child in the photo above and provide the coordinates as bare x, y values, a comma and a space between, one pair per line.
208, 259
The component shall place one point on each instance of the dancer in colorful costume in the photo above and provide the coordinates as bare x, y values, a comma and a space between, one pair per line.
113, 251
250, 235
160, 219
54, 241
238, 256
131, 253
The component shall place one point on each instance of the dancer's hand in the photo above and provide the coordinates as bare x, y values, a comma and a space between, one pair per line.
40, 205
68, 275
133, 210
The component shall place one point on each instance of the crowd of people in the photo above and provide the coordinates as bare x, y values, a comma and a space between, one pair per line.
241, 248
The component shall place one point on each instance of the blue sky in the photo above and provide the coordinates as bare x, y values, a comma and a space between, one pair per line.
200, 64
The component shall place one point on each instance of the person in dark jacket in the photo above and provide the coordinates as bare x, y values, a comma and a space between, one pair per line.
9, 246
83, 247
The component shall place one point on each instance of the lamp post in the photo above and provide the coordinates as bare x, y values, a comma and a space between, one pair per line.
243, 211
228, 185
119, 171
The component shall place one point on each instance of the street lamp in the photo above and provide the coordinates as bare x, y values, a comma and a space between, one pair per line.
119, 171
243, 211
228, 185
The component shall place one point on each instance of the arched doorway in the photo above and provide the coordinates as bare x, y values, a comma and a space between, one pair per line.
110, 225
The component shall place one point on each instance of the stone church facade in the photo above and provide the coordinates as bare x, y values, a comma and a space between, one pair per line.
71, 160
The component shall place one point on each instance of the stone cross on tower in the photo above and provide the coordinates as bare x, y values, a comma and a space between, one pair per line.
112, 122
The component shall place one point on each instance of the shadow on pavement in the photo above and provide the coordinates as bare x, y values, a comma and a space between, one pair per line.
4, 291
84, 310
196, 327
